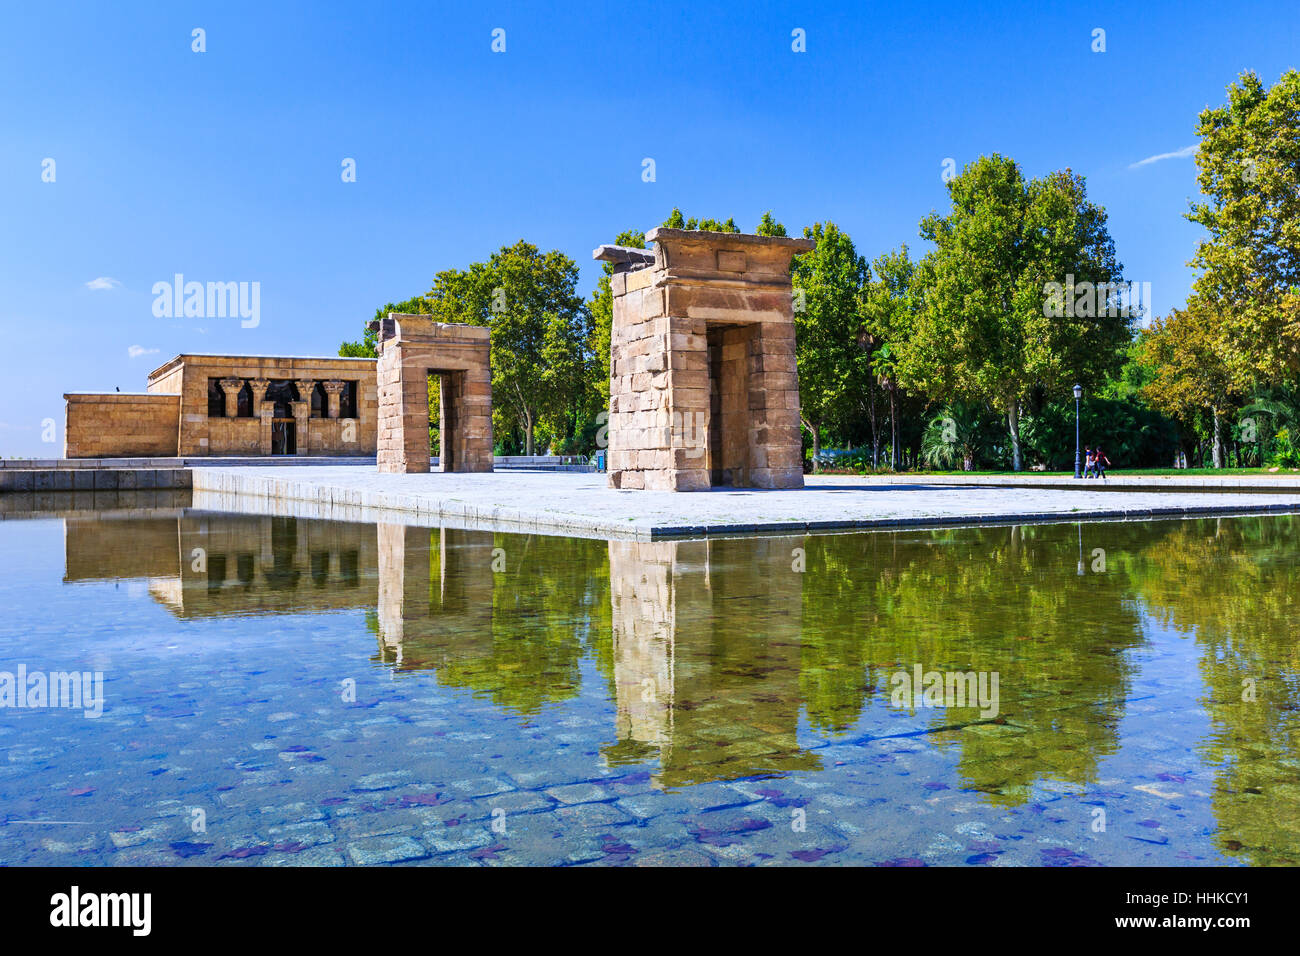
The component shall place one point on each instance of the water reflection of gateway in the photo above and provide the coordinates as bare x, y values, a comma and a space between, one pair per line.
706, 649
435, 596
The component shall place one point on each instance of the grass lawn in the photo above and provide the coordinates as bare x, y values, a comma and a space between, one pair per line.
1112, 472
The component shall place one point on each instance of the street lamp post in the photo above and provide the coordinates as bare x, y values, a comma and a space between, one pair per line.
1078, 394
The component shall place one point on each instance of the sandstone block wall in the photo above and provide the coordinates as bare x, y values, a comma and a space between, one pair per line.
119, 425
411, 347
704, 389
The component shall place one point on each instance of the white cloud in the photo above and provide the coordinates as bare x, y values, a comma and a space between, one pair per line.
1176, 154
103, 283
135, 351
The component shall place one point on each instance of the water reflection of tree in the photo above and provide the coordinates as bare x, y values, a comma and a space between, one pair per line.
1234, 584
1007, 600
503, 615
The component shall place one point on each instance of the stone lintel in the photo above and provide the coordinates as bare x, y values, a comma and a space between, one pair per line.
425, 328
665, 234
624, 258
732, 258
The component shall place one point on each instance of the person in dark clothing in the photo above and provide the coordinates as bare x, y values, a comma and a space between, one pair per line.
1102, 463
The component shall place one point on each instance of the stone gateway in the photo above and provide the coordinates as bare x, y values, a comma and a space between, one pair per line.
411, 348
704, 391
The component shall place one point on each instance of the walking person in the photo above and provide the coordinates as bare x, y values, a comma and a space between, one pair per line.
1102, 463
1088, 461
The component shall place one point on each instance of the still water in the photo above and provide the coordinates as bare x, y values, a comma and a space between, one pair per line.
280, 691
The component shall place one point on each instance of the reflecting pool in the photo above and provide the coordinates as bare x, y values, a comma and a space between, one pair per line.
280, 691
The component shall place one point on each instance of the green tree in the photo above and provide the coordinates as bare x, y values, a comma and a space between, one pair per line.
1249, 171
676, 220
889, 306
365, 346
767, 226
1189, 373
1021, 292
541, 331
828, 321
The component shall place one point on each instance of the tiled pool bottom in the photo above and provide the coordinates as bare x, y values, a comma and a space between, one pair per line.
588, 704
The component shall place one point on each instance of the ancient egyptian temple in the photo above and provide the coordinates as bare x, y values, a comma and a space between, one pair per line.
236, 405
704, 391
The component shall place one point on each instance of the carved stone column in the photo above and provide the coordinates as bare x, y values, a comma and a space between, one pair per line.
232, 387
305, 386
301, 414
264, 410
332, 391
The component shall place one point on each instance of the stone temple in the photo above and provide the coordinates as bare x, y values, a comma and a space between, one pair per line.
704, 391
238, 405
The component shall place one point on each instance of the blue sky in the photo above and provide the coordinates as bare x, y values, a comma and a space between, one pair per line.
225, 165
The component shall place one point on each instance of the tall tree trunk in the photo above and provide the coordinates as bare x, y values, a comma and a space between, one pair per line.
875, 434
893, 425
1218, 438
1013, 425
817, 445
528, 431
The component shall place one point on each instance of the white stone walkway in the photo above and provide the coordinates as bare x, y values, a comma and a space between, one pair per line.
580, 504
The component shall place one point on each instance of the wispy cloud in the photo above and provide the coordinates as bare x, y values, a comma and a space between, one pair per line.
135, 351
1176, 154
102, 283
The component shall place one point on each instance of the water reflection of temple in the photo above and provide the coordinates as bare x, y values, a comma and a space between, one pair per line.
204, 565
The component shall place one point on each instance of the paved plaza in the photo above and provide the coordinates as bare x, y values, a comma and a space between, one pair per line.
581, 504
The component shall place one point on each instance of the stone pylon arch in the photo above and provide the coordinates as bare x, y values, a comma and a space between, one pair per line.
411, 348
704, 388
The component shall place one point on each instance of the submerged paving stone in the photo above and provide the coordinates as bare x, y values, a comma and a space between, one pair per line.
449, 839
593, 814
382, 781
393, 849
311, 856
579, 793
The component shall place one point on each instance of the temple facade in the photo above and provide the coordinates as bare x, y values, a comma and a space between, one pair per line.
231, 405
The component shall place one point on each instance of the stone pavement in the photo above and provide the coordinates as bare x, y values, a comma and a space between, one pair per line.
581, 504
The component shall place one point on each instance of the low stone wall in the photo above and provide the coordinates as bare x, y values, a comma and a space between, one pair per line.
92, 479
118, 425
